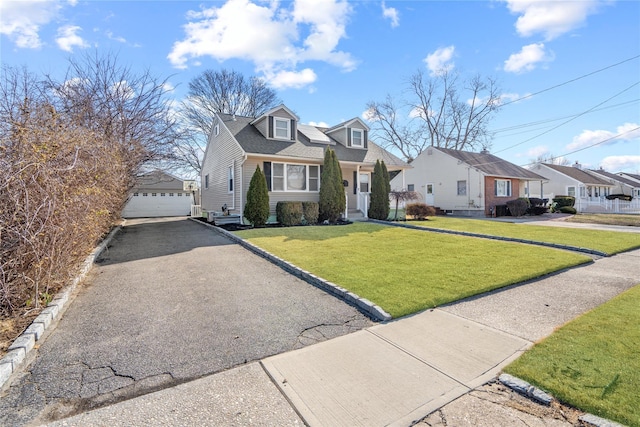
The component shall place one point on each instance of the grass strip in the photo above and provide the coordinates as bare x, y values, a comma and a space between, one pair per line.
593, 362
609, 242
405, 271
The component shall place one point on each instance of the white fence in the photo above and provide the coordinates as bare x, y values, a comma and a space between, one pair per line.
196, 211
602, 205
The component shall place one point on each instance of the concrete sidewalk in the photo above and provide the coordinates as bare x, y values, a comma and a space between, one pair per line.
391, 374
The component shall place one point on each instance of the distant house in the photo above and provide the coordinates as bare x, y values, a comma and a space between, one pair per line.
158, 194
622, 184
464, 182
573, 181
291, 155
633, 178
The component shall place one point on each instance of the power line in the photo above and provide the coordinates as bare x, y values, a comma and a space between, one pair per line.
571, 81
571, 119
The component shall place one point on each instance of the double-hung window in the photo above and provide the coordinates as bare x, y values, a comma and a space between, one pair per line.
503, 188
571, 191
282, 128
357, 136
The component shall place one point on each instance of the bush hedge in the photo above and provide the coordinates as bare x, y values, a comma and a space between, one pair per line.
419, 210
289, 213
568, 210
518, 207
561, 201
310, 212
619, 196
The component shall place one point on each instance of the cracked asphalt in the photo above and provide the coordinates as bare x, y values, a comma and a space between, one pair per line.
169, 301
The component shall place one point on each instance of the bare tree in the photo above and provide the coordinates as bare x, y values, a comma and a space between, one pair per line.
131, 111
444, 111
549, 158
223, 91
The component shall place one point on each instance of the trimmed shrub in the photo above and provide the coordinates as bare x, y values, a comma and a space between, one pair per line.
379, 207
568, 210
419, 210
289, 213
257, 208
310, 212
518, 207
619, 196
561, 201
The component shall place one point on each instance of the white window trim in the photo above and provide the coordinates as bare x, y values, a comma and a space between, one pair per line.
353, 140
230, 179
509, 189
206, 182
458, 192
216, 130
275, 128
285, 178
575, 191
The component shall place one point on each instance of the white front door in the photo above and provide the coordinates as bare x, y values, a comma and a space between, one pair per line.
428, 194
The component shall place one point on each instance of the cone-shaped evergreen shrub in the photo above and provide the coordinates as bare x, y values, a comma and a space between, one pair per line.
332, 199
257, 208
379, 206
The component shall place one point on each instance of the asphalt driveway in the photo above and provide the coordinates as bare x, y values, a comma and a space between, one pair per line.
168, 302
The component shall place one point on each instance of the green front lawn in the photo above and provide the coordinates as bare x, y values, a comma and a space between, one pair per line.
405, 271
604, 241
593, 362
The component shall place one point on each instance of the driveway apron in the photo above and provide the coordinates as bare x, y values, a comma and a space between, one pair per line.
169, 301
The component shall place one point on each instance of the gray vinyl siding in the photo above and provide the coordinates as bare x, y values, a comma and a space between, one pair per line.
222, 151
276, 196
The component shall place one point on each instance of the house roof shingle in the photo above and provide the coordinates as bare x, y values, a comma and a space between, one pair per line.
578, 174
492, 165
615, 177
253, 142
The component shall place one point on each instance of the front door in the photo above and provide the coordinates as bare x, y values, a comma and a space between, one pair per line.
428, 194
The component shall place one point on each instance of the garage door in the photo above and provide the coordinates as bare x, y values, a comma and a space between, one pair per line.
156, 204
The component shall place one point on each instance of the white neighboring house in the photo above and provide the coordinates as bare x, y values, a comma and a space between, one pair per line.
634, 178
589, 189
622, 184
466, 183
158, 194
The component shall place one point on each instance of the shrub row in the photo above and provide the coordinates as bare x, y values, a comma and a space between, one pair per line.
297, 213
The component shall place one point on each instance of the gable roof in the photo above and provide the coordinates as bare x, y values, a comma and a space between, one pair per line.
629, 175
347, 123
492, 165
273, 110
615, 177
579, 175
253, 142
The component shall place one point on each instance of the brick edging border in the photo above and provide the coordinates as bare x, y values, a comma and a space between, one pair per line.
20, 348
489, 236
362, 304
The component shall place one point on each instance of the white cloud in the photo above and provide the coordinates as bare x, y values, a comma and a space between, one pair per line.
68, 38
440, 60
319, 124
291, 79
551, 18
537, 152
369, 115
623, 133
20, 21
269, 36
620, 163
527, 59
392, 14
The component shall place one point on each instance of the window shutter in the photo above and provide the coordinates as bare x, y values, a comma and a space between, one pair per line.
348, 137
495, 187
355, 182
267, 173
270, 125
366, 137
293, 130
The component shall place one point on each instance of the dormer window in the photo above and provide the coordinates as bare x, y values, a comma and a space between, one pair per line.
282, 128
357, 136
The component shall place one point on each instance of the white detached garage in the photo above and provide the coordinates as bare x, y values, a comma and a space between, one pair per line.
158, 194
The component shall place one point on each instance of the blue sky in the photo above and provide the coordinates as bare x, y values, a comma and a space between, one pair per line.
326, 59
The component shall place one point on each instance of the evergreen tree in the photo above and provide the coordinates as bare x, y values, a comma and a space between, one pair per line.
379, 206
387, 186
257, 208
332, 200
